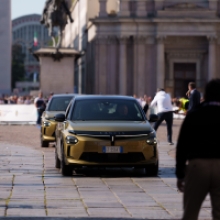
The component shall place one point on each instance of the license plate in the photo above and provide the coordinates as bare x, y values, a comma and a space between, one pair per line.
112, 149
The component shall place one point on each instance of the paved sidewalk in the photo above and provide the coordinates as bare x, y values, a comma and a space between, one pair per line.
31, 188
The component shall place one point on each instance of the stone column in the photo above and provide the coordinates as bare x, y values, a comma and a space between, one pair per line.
112, 69
102, 84
124, 9
97, 69
212, 57
79, 63
158, 5
123, 65
102, 8
213, 5
160, 62
135, 81
141, 8
141, 66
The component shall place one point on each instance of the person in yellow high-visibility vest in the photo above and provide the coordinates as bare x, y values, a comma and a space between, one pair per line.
182, 104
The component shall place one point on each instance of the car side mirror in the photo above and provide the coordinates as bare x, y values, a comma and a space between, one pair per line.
153, 118
60, 117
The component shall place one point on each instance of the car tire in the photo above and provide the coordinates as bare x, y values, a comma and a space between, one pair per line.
57, 160
152, 170
65, 169
44, 143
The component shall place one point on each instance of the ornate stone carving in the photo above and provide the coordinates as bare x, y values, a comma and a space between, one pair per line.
139, 39
161, 39
184, 7
144, 39
124, 9
185, 55
112, 39
186, 41
212, 39
101, 39
102, 6
123, 39
150, 40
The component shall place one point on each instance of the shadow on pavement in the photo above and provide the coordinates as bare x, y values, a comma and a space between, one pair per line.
110, 172
167, 172
164, 172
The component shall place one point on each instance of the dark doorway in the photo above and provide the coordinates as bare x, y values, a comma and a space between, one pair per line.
183, 74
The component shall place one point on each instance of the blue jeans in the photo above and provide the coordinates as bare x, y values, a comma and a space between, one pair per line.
39, 114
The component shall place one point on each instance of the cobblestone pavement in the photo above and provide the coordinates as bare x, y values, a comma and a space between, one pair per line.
31, 187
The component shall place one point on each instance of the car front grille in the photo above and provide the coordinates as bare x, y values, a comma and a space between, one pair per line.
113, 158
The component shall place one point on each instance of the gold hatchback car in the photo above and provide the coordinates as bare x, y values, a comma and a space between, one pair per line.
109, 131
57, 104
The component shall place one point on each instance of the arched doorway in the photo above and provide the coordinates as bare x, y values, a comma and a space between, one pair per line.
183, 74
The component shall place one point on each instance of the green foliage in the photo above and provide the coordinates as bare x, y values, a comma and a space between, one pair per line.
18, 70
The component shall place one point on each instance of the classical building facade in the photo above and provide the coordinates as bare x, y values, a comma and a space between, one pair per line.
24, 29
5, 47
134, 47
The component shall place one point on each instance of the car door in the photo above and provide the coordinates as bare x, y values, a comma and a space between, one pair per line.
60, 128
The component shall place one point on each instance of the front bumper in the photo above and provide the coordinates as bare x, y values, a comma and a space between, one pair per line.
48, 130
80, 163
89, 152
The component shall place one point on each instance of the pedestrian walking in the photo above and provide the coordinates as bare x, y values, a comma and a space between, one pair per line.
193, 95
198, 145
145, 104
40, 106
138, 99
164, 112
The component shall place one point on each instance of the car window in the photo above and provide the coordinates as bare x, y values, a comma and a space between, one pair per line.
68, 116
112, 109
59, 103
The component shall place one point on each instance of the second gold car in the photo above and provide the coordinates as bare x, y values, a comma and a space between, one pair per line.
57, 104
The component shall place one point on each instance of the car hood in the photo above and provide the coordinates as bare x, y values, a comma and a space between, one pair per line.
109, 126
51, 114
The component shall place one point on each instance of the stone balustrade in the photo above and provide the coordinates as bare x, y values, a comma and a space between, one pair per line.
161, 8
126, 8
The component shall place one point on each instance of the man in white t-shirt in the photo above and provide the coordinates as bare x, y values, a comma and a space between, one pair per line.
164, 112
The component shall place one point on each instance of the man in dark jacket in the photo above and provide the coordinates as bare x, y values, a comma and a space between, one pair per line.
198, 144
194, 96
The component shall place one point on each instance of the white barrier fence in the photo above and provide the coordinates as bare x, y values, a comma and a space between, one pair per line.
18, 113
27, 113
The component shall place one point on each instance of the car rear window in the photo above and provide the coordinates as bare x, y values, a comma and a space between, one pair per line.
59, 103
102, 109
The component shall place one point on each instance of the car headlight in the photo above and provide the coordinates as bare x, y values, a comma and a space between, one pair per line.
151, 138
71, 140
46, 123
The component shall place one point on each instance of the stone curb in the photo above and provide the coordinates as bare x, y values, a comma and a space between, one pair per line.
67, 218
17, 123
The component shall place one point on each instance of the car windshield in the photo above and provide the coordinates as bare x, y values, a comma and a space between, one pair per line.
102, 109
59, 103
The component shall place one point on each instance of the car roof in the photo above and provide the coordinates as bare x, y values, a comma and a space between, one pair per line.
83, 97
64, 95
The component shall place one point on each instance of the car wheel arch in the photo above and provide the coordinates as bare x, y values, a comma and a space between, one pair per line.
62, 150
